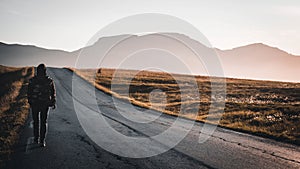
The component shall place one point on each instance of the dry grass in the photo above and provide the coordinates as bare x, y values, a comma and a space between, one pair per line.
13, 106
264, 108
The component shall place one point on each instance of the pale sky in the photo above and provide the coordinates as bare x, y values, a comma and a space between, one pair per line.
69, 24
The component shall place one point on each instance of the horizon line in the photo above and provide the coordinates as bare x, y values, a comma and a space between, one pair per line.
70, 51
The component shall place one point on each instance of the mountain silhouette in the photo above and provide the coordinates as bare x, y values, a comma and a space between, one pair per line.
28, 55
260, 61
254, 61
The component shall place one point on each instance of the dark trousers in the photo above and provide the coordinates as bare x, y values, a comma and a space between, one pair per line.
40, 115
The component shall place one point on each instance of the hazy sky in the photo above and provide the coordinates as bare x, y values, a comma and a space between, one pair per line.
68, 25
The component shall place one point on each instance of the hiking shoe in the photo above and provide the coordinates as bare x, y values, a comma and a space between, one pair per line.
43, 143
36, 141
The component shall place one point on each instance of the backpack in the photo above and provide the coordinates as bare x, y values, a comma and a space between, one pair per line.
40, 90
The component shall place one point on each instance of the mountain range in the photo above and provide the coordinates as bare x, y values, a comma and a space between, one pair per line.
254, 61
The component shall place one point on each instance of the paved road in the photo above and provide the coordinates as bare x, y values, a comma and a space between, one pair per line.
68, 146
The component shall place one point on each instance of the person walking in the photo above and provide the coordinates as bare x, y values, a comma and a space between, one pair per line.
41, 95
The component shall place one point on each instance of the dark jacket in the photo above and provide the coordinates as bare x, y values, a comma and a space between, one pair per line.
41, 91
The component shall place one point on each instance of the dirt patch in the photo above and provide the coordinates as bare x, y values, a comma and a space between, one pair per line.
13, 106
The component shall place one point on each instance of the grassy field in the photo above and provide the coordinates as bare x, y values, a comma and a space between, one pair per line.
13, 106
264, 108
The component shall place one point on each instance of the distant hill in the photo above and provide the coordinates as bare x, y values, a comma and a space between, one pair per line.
254, 61
28, 55
260, 61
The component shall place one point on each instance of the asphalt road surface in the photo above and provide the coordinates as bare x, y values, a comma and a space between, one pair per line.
68, 146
